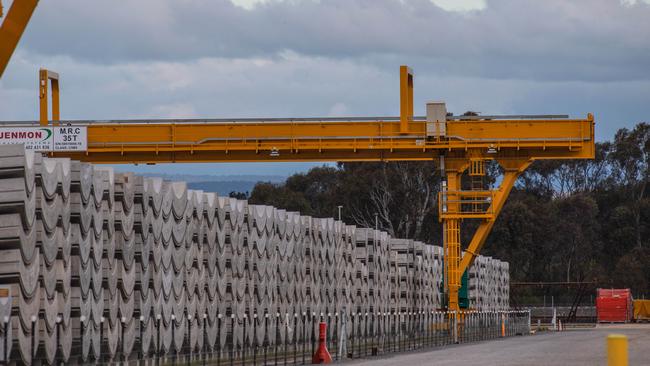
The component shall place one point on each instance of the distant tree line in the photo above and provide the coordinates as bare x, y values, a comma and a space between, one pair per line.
583, 220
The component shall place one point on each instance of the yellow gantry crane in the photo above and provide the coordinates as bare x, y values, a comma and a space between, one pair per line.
459, 143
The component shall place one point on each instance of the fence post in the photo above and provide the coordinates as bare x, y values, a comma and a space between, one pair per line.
399, 334
365, 334
342, 335
327, 334
285, 346
421, 333
384, 323
277, 337
255, 339
472, 324
266, 335
335, 336
304, 337
469, 326
232, 339
189, 338
244, 341
455, 327
218, 339
375, 327
391, 334
141, 343
295, 338
414, 317
205, 338
355, 332
6, 330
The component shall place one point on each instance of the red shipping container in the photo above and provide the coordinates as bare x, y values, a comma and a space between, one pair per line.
614, 305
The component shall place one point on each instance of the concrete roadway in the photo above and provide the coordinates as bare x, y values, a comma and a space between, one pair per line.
571, 347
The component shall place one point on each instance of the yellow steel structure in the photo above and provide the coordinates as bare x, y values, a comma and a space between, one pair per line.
459, 143
12, 28
467, 144
330, 140
45, 79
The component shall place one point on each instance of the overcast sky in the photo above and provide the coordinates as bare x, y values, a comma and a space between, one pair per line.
300, 58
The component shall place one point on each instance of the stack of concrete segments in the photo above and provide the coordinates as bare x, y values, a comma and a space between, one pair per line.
147, 232
503, 285
402, 255
86, 271
436, 271
489, 283
111, 267
218, 268
262, 233
120, 265
20, 264
53, 237
237, 243
125, 244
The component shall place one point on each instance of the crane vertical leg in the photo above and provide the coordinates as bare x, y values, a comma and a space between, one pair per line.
452, 260
451, 235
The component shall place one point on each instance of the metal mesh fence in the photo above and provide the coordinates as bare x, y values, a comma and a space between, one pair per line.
369, 335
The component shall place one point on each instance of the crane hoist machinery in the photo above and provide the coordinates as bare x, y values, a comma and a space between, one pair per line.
461, 144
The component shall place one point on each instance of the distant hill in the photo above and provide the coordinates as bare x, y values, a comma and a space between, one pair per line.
191, 178
221, 184
223, 188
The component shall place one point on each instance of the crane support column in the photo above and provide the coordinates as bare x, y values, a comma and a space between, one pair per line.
450, 202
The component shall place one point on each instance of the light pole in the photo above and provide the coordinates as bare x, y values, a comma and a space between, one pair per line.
339, 207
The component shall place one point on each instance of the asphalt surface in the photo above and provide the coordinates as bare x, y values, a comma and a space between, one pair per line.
571, 347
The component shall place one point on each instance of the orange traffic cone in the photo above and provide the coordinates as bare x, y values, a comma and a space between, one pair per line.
322, 355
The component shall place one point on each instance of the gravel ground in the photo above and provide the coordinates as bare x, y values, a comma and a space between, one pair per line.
572, 347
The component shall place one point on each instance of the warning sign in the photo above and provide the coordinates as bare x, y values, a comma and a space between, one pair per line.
65, 138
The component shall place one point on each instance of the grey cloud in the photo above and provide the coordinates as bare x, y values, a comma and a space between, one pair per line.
532, 40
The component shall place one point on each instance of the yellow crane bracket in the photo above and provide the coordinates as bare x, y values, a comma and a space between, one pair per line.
406, 97
45, 78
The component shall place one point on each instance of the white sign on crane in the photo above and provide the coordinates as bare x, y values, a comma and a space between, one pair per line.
63, 138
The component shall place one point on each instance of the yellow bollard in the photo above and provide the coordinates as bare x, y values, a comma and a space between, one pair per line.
617, 350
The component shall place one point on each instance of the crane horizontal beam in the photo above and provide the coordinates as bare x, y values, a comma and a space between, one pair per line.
327, 139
